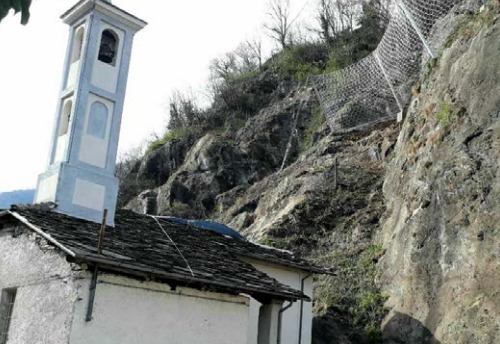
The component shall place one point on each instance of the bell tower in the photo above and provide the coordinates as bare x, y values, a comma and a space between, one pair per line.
80, 174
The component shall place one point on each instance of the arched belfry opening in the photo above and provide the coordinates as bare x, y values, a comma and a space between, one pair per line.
77, 44
65, 117
108, 47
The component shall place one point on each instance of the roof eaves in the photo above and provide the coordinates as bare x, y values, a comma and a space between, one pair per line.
46, 236
83, 7
141, 270
291, 264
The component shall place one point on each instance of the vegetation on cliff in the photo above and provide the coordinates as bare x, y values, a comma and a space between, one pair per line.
260, 159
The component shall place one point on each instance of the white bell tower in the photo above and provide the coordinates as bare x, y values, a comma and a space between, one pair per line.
80, 174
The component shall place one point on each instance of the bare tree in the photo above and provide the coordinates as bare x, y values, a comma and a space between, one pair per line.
249, 54
224, 67
229, 71
335, 16
126, 171
328, 27
280, 21
183, 111
255, 46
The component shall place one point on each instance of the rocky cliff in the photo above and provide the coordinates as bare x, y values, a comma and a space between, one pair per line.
408, 213
440, 231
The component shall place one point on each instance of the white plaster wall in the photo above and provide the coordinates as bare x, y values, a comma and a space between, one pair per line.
291, 317
72, 74
45, 290
61, 148
47, 189
93, 150
76, 50
130, 312
88, 194
104, 75
253, 321
52, 297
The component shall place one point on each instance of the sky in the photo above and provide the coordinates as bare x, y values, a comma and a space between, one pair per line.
172, 53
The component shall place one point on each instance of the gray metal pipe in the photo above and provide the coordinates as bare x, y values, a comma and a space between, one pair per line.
302, 307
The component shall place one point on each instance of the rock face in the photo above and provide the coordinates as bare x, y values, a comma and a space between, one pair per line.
441, 229
409, 213
158, 165
328, 187
223, 161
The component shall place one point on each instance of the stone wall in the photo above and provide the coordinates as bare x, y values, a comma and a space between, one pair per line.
46, 289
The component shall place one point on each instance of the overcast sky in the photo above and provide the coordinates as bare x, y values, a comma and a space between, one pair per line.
172, 52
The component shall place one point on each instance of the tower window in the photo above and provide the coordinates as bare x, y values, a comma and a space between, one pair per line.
65, 117
108, 47
98, 120
77, 44
6, 307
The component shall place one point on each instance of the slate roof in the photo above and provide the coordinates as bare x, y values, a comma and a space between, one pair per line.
137, 245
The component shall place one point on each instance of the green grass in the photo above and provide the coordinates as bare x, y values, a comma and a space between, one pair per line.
244, 76
170, 135
302, 60
444, 114
470, 26
354, 291
432, 64
316, 120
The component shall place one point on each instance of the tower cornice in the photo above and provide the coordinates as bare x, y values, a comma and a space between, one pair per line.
83, 7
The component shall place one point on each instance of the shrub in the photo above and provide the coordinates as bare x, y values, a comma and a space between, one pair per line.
443, 115
316, 120
173, 134
354, 292
300, 61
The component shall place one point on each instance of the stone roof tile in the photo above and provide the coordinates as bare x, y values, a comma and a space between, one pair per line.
187, 256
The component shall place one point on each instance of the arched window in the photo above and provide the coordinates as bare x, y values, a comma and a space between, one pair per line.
108, 48
98, 120
77, 44
65, 117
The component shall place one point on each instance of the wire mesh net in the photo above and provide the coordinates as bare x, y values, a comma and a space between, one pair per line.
376, 88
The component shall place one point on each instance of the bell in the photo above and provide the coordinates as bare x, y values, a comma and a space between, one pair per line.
106, 55
107, 48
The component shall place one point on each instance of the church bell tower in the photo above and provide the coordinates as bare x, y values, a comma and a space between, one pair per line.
80, 174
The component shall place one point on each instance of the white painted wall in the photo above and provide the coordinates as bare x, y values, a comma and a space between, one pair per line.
291, 317
88, 194
61, 148
45, 290
104, 75
46, 191
253, 321
76, 52
130, 312
93, 150
52, 297
72, 74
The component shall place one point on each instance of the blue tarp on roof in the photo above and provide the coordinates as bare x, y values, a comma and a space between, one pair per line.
208, 225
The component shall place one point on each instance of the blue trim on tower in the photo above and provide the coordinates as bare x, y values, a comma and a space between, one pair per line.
72, 168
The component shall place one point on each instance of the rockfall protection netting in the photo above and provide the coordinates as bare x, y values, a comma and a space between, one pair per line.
376, 88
